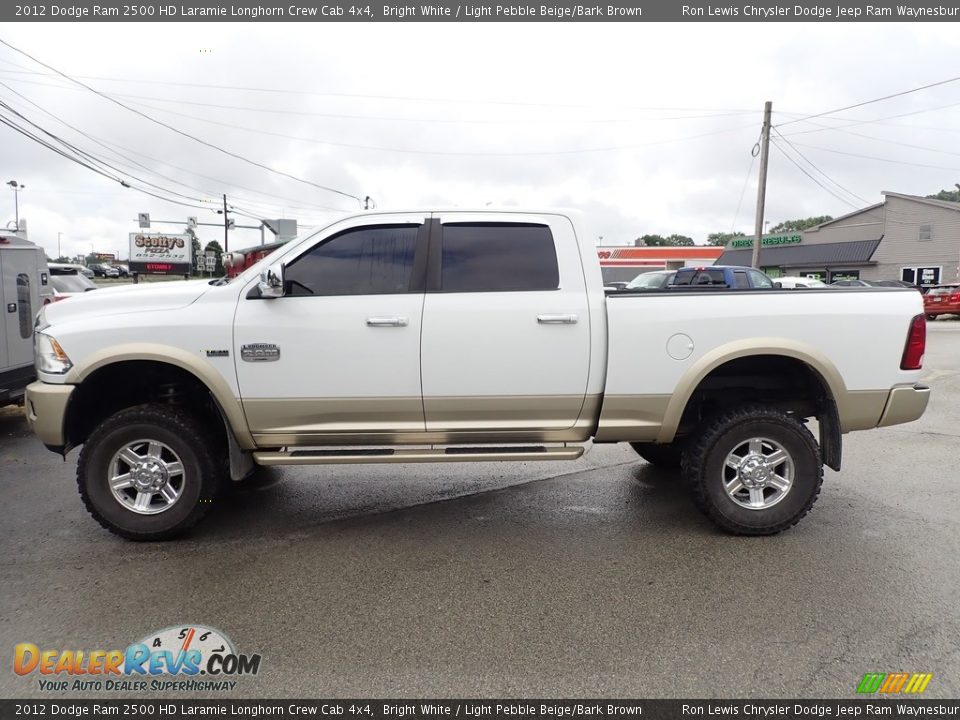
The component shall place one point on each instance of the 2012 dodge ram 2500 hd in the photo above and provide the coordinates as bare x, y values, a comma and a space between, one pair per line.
459, 336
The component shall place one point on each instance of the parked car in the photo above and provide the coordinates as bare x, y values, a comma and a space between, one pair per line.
796, 281
853, 282
653, 280
205, 381
941, 300
733, 277
69, 280
122, 271
898, 283
86, 272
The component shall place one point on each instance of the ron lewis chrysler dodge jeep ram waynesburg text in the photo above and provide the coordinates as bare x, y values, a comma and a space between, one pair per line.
463, 336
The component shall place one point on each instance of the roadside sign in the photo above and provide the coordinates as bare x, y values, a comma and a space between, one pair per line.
144, 219
211, 263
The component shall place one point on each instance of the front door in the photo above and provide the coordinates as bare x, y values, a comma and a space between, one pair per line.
337, 358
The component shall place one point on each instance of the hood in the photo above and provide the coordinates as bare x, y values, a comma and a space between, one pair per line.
127, 299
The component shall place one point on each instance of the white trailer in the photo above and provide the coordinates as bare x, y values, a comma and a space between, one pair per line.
24, 289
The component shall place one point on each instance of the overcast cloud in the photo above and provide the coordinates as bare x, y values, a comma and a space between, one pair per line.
648, 128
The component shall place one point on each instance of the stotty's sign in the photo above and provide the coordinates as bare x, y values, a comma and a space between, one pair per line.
159, 253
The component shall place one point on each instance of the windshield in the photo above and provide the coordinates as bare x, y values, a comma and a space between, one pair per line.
649, 280
71, 283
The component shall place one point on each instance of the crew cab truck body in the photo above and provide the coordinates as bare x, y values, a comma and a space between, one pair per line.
459, 336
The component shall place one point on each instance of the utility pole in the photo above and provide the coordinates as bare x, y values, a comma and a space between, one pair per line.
226, 222
762, 185
59, 252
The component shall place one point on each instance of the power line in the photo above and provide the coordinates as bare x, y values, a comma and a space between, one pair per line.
113, 148
181, 132
449, 153
403, 98
553, 119
811, 164
802, 169
743, 191
875, 100
878, 159
876, 121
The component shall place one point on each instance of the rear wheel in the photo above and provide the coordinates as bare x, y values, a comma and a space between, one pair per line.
149, 472
663, 456
754, 471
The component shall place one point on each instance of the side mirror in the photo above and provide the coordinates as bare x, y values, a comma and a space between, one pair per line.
271, 282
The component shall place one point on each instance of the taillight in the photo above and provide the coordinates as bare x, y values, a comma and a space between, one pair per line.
916, 344
955, 297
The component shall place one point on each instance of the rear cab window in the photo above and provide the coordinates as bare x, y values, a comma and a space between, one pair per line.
497, 257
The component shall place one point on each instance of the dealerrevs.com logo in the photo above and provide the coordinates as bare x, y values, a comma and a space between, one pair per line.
188, 658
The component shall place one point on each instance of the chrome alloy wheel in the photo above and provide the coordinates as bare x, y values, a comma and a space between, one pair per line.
146, 477
758, 473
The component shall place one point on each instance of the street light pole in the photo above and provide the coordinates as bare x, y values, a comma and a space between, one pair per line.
59, 251
17, 187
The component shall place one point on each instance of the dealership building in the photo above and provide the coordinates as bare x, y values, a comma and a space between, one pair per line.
905, 237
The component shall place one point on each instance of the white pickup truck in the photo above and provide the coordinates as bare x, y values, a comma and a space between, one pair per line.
462, 336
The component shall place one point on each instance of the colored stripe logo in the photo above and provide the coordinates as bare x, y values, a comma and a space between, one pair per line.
894, 683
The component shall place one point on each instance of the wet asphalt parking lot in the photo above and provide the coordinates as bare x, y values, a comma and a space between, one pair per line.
591, 578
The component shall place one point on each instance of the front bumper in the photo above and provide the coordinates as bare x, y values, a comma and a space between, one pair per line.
905, 404
46, 408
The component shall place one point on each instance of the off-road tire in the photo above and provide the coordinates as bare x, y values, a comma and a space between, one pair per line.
199, 454
667, 457
706, 454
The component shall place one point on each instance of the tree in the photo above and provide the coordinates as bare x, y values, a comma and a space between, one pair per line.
196, 253
948, 195
722, 238
61, 259
659, 240
799, 224
218, 252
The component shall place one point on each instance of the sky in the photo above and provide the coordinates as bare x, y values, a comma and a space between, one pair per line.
646, 128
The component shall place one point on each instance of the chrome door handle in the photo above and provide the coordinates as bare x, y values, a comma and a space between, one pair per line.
386, 322
570, 319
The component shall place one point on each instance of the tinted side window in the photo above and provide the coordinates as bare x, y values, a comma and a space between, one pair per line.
494, 257
740, 277
361, 261
24, 309
700, 277
760, 280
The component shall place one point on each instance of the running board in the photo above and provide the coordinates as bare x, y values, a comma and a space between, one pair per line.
342, 456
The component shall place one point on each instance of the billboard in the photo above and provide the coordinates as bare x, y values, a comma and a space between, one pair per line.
160, 253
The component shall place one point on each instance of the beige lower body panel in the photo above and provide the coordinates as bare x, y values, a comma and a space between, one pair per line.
905, 404
399, 421
46, 407
632, 418
861, 409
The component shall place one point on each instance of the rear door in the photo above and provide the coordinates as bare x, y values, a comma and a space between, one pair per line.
506, 326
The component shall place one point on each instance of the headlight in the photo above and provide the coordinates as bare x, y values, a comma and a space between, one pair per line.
49, 355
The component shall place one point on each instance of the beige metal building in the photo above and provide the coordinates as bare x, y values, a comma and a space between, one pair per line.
905, 237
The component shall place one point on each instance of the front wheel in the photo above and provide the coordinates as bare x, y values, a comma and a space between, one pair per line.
149, 472
754, 471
